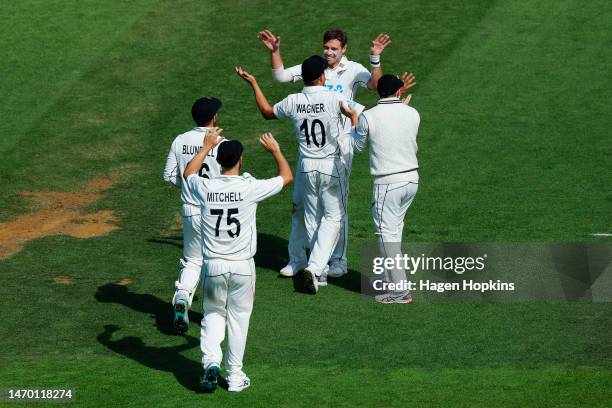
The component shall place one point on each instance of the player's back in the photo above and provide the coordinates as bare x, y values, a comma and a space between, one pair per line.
393, 128
185, 147
229, 205
316, 117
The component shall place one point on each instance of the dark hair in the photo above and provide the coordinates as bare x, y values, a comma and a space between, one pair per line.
204, 110
229, 153
388, 85
335, 34
312, 68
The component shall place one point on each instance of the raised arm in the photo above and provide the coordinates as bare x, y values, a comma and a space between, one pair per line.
211, 139
262, 103
272, 43
272, 146
409, 81
377, 47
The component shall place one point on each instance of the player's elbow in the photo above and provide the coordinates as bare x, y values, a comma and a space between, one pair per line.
281, 75
268, 114
287, 179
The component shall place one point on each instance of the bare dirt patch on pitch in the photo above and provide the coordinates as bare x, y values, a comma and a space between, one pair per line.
59, 213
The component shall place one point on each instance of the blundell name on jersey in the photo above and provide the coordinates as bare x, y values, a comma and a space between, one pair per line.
226, 197
310, 108
193, 150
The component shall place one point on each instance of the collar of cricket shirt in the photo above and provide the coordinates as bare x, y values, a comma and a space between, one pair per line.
389, 100
313, 89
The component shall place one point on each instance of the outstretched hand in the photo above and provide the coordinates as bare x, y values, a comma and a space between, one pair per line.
406, 100
212, 138
269, 143
271, 41
409, 81
347, 110
245, 75
379, 44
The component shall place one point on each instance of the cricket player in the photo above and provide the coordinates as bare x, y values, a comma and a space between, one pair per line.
183, 149
345, 77
391, 129
316, 113
229, 242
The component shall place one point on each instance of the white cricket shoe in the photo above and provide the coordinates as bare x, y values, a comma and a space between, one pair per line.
237, 385
292, 269
311, 281
322, 279
337, 269
404, 298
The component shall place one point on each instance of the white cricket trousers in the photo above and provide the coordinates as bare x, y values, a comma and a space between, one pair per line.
190, 265
323, 210
390, 203
228, 302
298, 237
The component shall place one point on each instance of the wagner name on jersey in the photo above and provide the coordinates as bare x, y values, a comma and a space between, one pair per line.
345, 78
229, 205
316, 117
183, 149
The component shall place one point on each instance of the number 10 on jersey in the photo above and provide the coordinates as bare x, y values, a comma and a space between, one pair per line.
313, 132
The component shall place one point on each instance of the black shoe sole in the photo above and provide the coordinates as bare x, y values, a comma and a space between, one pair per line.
180, 325
210, 381
309, 282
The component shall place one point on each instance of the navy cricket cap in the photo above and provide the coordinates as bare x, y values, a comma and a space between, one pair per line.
204, 109
228, 153
313, 67
388, 85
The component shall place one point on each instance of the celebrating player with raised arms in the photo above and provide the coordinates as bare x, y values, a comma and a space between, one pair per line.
345, 77
229, 242
316, 113
391, 128
183, 149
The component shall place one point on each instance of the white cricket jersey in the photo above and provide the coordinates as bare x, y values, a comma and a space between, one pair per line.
183, 149
316, 116
391, 128
229, 205
345, 78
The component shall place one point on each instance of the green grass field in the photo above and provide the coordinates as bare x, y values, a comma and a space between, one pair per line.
514, 145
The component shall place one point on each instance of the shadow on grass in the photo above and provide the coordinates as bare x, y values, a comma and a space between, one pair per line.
158, 309
271, 252
167, 359
172, 241
351, 281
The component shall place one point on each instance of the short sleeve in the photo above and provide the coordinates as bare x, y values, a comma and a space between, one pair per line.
196, 186
282, 109
362, 76
262, 189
